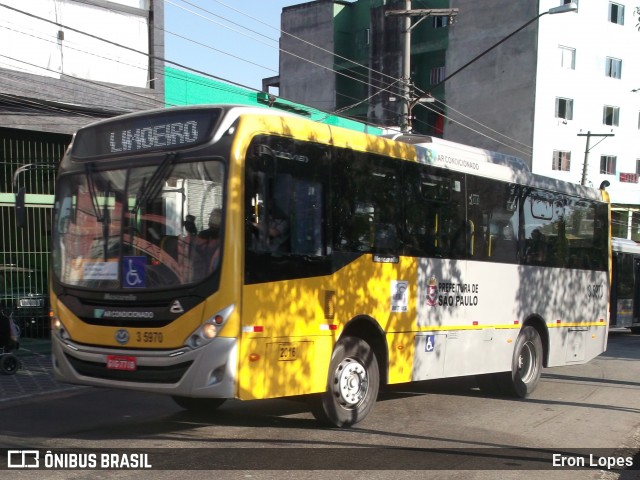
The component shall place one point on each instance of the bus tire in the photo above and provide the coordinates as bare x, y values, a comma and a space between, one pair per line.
635, 330
352, 384
198, 405
526, 365
8, 364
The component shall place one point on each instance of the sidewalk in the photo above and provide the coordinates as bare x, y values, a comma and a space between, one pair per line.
34, 375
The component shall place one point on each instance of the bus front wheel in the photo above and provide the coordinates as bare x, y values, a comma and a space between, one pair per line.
352, 384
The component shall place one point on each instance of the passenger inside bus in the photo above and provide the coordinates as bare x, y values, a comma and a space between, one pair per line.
278, 232
189, 225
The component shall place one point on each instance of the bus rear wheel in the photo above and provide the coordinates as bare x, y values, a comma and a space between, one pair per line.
526, 368
198, 405
8, 364
352, 385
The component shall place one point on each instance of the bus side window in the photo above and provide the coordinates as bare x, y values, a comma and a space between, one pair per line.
545, 240
493, 209
267, 211
583, 235
367, 206
435, 224
285, 197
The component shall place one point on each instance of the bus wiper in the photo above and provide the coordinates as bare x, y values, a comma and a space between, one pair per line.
102, 214
106, 222
92, 192
152, 187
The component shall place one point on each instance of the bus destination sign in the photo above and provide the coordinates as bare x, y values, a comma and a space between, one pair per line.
170, 130
167, 135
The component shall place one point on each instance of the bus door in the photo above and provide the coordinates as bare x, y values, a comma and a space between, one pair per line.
625, 290
438, 233
285, 252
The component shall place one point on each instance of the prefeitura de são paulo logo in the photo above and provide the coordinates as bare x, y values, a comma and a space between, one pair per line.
432, 292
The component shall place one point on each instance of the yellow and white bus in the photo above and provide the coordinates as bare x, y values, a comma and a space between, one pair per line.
225, 252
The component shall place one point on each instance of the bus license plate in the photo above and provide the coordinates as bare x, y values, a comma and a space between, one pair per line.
288, 351
118, 362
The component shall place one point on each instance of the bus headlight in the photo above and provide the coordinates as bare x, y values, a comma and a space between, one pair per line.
210, 328
58, 327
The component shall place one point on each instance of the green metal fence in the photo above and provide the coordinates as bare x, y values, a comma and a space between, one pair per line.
24, 252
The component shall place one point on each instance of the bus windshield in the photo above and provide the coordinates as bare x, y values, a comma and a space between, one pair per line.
145, 227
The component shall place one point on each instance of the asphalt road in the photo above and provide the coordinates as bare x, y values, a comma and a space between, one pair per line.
438, 429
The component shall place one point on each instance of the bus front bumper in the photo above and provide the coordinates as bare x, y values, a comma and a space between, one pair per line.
208, 371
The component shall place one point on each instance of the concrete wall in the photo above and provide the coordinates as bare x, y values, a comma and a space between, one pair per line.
53, 78
498, 89
385, 58
302, 76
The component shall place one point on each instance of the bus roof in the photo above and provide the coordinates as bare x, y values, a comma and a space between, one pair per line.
477, 161
429, 150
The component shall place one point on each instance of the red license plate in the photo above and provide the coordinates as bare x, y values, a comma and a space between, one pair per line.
118, 362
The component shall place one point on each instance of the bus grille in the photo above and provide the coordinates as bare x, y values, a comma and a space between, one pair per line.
142, 374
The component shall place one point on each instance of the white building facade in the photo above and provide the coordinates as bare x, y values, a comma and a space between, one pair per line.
565, 85
587, 104
561, 85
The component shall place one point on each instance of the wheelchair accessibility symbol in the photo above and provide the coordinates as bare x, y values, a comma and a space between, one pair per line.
134, 272
430, 343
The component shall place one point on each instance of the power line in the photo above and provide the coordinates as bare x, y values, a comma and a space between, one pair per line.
330, 69
359, 101
333, 53
449, 108
474, 130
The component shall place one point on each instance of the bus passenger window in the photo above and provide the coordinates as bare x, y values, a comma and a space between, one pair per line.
285, 189
493, 210
435, 223
367, 203
269, 213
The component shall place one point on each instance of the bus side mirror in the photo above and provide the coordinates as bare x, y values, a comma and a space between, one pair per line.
20, 207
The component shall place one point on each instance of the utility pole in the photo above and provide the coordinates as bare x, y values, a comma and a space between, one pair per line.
407, 27
406, 70
588, 149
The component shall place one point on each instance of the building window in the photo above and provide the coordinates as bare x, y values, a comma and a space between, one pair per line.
637, 166
441, 21
616, 13
364, 38
567, 57
564, 108
436, 75
561, 160
613, 67
608, 164
610, 115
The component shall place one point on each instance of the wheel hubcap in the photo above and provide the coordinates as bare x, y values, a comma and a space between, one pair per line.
527, 362
351, 383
